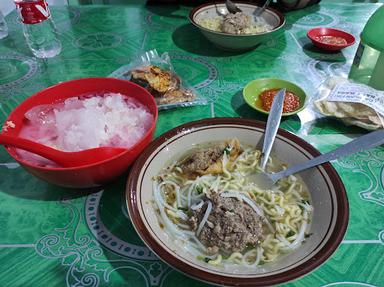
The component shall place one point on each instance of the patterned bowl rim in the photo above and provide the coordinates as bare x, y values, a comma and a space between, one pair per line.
334, 240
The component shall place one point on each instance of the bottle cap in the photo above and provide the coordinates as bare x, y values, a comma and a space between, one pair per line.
33, 12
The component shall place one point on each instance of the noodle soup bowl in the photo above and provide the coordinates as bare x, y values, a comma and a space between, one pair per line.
327, 196
234, 42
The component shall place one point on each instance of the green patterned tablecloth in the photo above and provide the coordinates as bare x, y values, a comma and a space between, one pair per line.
52, 236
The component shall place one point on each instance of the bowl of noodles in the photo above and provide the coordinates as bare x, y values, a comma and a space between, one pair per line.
236, 32
190, 200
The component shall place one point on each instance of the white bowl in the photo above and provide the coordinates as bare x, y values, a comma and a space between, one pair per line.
231, 41
330, 216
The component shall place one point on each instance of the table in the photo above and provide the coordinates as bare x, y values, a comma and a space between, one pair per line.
51, 236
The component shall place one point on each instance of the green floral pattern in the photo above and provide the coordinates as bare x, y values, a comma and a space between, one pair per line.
58, 237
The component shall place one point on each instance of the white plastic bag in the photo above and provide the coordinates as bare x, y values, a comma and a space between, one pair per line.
353, 103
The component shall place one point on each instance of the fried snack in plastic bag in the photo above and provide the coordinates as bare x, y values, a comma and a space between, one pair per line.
155, 73
353, 103
164, 85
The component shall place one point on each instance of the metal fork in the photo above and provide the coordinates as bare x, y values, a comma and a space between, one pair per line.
260, 11
373, 139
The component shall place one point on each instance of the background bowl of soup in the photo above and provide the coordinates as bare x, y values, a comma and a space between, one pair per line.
207, 18
327, 196
89, 175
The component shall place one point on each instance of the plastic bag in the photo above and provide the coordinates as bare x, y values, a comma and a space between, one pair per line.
156, 74
353, 103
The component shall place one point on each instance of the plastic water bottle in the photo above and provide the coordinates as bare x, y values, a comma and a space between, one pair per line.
368, 64
3, 27
38, 28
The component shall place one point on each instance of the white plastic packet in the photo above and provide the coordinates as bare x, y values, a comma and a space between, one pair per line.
156, 74
354, 103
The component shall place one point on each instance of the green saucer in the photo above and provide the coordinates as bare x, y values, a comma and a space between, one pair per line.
253, 89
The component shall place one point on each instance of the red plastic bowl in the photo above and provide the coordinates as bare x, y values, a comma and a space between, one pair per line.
313, 34
88, 175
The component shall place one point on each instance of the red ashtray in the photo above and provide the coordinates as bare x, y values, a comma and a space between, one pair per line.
330, 39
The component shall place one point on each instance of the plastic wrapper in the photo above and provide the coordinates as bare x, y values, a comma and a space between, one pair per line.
156, 74
353, 103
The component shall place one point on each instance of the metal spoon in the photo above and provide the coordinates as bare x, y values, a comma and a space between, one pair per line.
65, 159
260, 11
273, 123
232, 7
373, 139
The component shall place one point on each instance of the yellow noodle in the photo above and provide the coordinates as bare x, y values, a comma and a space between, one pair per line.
280, 207
216, 261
